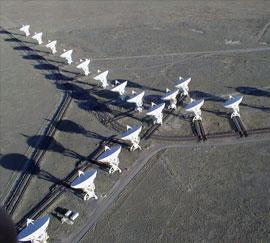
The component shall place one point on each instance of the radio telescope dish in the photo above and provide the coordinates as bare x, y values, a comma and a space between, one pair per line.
137, 98
85, 182
84, 67
132, 135
120, 88
25, 29
102, 77
171, 96
233, 103
195, 107
35, 231
183, 84
38, 37
52, 46
110, 157
156, 111
67, 56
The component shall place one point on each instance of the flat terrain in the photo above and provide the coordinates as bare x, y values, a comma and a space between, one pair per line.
193, 195
24, 108
186, 194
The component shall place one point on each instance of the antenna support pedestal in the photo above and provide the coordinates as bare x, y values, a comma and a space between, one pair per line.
235, 113
139, 109
197, 116
122, 97
158, 118
173, 103
90, 192
185, 91
135, 144
41, 238
114, 166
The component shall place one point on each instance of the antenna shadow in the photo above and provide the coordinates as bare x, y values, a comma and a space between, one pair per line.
4, 32
23, 48
46, 66
17, 40
216, 112
70, 127
17, 162
252, 91
7, 32
57, 77
34, 57
91, 106
48, 143
66, 71
131, 84
107, 94
195, 94
148, 99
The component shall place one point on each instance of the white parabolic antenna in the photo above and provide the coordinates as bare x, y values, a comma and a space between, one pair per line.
84, 66
171, 96
67, 56
233, 103
35, 231
195, 107
85, 182
25, 29
156, 111
110, 157
183, 84
52, 46
102, 77
137, 98
120, 88
132, 135
38, 37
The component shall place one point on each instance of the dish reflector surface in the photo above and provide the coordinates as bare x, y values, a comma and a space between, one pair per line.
194, 105
101, 75
34, 229
156, 109
113, 152
36, 36
170, 95
84, 64
119, 87
183, 82
84, 180
131, 132
66, 54
52, 43
233, 101
135, 98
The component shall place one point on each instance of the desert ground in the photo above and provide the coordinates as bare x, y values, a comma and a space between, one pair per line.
172, 191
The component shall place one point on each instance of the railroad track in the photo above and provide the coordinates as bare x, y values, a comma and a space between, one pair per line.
20, 187
18, 191
240, 127
154, 127
211, 136
58, 189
